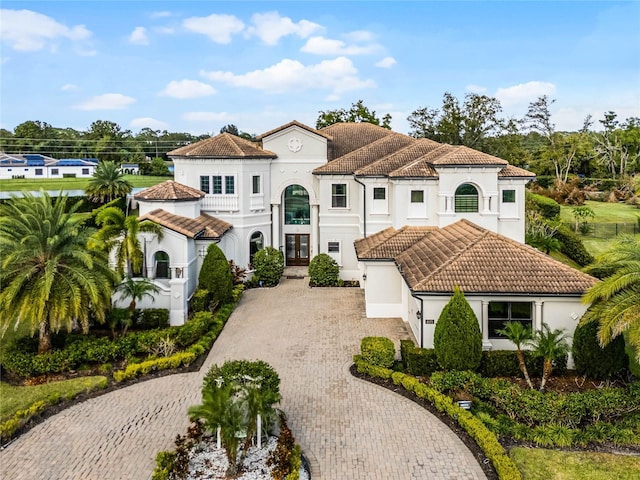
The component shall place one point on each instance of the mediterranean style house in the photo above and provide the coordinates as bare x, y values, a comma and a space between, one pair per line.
409, 218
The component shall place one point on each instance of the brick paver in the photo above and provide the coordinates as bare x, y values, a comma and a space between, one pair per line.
348, 428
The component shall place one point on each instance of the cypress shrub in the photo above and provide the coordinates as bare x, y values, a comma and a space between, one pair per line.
572, 246
215, 275
269, 266
593, 360
457, 339
323, 271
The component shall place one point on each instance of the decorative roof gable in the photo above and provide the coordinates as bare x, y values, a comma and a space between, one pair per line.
295, 123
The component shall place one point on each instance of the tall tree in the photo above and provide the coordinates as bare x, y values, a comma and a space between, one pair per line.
358, 113
120, 232
616, 299
49, 277
107, 183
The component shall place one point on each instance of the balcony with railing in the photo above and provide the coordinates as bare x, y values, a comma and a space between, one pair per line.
256, 201
220, 203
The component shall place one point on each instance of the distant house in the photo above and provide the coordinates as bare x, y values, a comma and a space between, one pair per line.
34, 165
130, 169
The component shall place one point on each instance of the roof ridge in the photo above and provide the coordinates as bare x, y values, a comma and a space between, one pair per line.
227, 136
386, 157
421, 158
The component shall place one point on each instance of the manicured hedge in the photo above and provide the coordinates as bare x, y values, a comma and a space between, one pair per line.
418, 361
548, 208
378, 351
571, 245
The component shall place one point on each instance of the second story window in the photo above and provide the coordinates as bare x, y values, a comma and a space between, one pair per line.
508, 196
229, 185
204, 184
255, 184
339, 195
466, 198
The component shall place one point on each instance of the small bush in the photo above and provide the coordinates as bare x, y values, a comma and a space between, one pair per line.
418, 361
136, 369
593, 360
457, 339
323, 271
200, 300
268, 264
233, 370
215, 275
378, 351
154, 318
572, 246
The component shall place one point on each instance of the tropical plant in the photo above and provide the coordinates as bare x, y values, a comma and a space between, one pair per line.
50, 278
616, 299
121, 232
136, 290
107, 183
215, 275
519, 335
550, 345
457, 339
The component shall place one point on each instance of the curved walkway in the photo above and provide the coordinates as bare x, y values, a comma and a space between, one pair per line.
349, 429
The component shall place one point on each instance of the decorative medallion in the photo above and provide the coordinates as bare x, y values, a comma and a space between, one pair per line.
295, 145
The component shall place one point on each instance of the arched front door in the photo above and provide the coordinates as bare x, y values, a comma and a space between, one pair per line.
297, 221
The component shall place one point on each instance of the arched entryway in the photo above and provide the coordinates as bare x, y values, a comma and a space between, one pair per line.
162, 265
297, 225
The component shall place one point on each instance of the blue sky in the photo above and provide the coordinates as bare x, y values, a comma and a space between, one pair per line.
197, 66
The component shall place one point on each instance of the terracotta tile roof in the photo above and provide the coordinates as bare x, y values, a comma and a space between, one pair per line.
204, 226
224, 145
347, 137
511, 171
366, 155
297, 124
399, 159
461, 155
169, 190
388, 243
473, 258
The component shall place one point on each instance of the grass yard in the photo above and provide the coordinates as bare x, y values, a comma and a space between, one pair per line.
20, 398
542, 464
605, 212
33, 184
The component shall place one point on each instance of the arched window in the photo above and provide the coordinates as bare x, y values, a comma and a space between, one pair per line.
466, 198
296, 206
162, 265
256, 243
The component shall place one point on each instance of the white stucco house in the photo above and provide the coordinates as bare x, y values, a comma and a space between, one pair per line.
35, 165
409, 218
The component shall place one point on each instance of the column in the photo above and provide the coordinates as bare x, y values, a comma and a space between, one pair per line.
315, 238
486, 343
537, 321
275, 226
486, 206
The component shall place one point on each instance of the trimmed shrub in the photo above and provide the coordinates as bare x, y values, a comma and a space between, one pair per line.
215, 275
233, 370
154, 318
200, 300
323, 271
457, 339
378, 351
268, 264
593, 360
418, 361
571, 245
548, 208
136, 369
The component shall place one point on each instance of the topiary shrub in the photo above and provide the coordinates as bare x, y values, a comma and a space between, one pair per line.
323, 271
215, 275
268, 264
378, 351
572, 246
457, 339
593, 360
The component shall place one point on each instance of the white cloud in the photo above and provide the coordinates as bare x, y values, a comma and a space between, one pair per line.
164, 30
524, 92
270, 27
187, 89
332, 47
360, 36
476, 89
219, 28
386, 62
108, 101
162, 14
205, 116
337, 75
148, 122
68, 87
30, 31
139, 36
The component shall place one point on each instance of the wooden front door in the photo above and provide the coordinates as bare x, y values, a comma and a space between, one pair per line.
297, 249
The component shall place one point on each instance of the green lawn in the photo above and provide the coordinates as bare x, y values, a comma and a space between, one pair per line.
605, 212
542, 464
33, 184
14, 398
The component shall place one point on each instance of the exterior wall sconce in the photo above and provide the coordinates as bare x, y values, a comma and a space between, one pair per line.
364, 276
202, 252
419, 315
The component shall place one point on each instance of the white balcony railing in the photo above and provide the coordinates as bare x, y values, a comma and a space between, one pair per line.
220, 203
256, 201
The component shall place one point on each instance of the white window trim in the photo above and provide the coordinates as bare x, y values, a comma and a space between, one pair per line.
224, 183
346, 184
382, 205
337, 256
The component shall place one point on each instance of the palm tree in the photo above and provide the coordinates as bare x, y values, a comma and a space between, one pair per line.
107, 183
136, 290
550, 345
519, 335
616, 300
49, 276
258, 405
121, 232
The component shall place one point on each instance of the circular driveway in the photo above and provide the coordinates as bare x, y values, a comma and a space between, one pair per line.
348, 428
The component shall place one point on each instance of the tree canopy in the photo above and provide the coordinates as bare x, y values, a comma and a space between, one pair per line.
358, 112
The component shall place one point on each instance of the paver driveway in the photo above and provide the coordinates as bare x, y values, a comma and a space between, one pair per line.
348, 428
